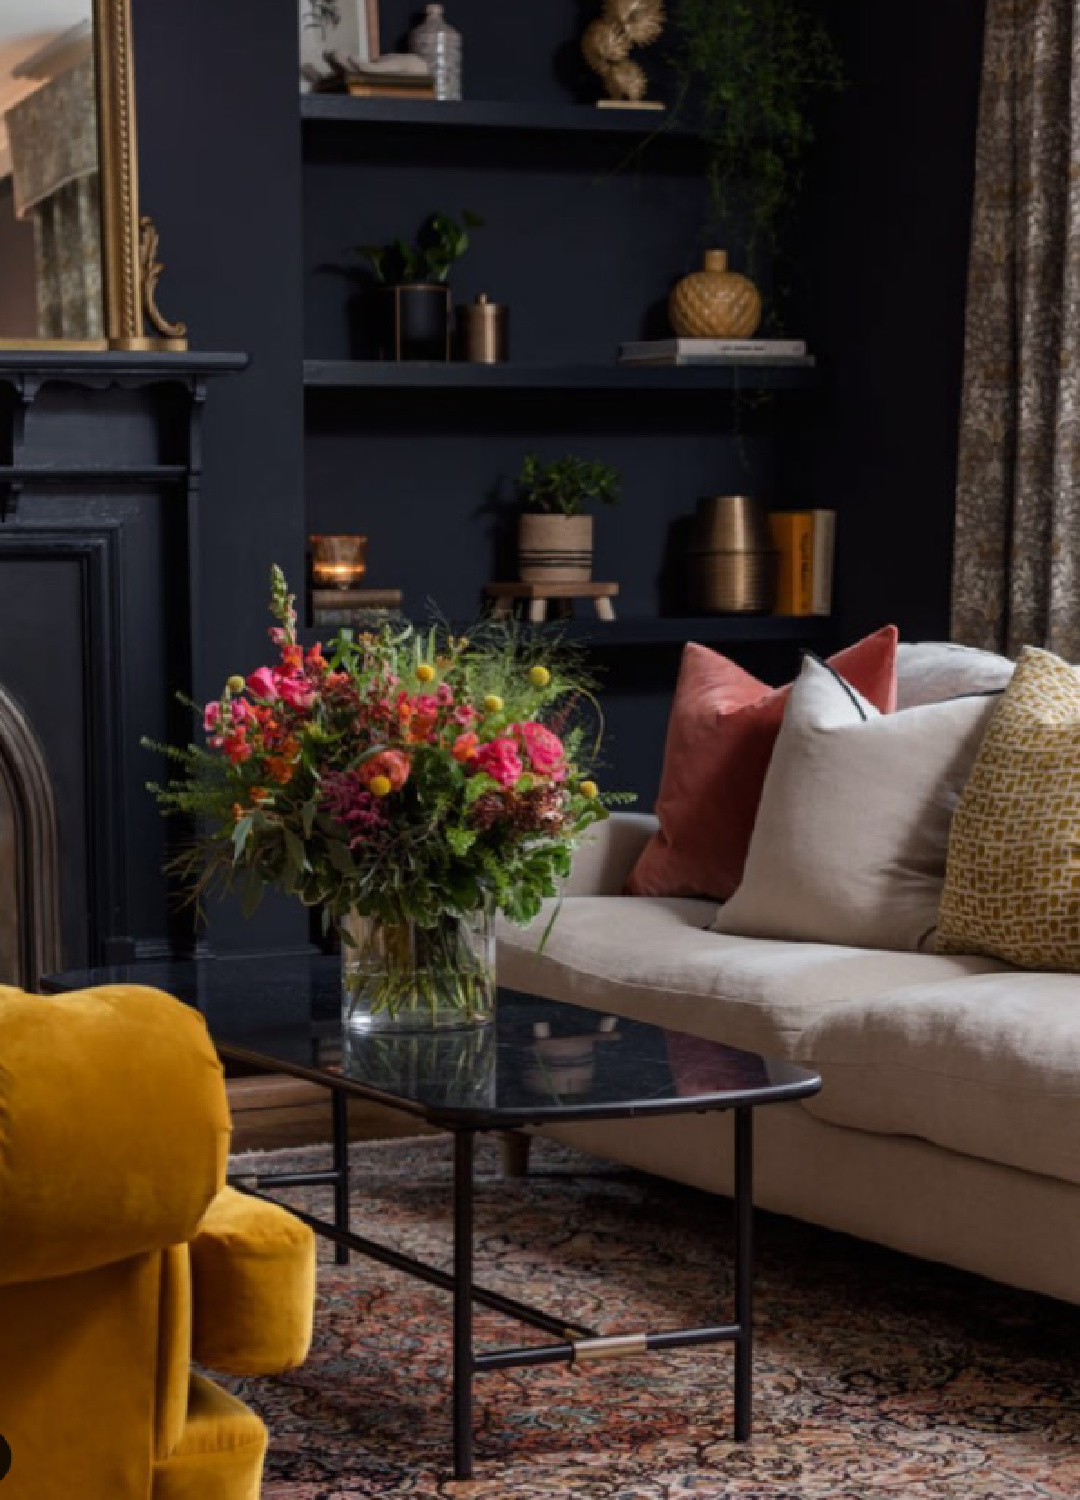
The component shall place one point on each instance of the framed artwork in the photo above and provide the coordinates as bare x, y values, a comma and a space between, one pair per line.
345, 28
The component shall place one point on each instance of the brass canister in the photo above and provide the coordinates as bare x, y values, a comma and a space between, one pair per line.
485, 332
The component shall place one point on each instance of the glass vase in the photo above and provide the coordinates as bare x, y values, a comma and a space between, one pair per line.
404, 977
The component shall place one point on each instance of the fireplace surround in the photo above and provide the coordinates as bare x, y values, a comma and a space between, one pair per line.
100, 477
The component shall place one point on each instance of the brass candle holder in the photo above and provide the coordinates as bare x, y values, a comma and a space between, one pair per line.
338, 562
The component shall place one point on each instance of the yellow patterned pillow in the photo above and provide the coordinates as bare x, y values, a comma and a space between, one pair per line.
1012, 880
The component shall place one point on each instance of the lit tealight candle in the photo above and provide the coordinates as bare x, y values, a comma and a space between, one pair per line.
338, 562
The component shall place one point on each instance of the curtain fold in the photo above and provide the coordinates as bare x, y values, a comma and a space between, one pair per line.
1016, 569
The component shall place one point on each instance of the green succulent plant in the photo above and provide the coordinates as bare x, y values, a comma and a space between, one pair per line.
440, 242
567, 485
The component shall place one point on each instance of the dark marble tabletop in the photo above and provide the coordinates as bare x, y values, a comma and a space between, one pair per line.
540, 1060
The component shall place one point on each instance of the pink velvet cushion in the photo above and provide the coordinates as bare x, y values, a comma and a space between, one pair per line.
720, 738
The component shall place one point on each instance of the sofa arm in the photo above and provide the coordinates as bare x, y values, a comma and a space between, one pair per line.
114, 1128
252, 1287
609, 852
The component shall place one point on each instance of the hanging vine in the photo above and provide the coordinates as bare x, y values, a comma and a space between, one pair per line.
752, 72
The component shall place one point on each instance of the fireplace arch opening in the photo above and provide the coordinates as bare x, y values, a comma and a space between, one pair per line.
30, 934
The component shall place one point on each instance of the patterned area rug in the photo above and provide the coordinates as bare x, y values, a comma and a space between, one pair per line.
875, 1374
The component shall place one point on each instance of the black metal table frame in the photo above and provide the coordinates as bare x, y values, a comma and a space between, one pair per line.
575, 1344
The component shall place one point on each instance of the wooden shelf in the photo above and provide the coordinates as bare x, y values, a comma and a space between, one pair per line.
495, 115
338, 374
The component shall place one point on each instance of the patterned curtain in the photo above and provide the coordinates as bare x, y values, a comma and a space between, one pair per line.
1016, 574
54, 154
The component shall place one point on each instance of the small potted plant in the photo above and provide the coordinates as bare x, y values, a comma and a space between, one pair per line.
414, 281
555, 536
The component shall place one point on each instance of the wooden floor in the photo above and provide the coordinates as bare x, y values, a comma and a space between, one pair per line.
272, 1112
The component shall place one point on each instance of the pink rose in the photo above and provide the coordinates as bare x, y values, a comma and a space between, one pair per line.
543, 750
263, 683
500, 760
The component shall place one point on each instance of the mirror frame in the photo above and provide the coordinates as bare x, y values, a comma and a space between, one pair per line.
129, 240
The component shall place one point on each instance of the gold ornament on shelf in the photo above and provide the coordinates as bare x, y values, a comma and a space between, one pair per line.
715, 303
606, 46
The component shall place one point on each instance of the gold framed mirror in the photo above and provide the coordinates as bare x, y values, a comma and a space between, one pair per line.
78, 263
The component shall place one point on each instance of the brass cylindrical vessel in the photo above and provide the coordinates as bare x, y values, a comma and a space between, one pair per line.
485, 332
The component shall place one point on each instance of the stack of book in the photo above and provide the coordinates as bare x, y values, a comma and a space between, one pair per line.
714, 352
398, 76
355, 609
805, 542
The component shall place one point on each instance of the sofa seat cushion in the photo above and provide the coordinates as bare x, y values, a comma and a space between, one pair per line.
653, 959
988, 1066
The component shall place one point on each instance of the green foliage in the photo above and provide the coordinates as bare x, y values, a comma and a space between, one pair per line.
567, 485
440, 242
754, 71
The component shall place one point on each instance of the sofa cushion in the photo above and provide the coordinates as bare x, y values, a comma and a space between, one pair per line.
721, 733
1012, 886
931, 671
853, 827
654, 959
988, 1066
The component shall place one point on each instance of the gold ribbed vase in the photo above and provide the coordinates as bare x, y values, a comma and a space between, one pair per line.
715, 303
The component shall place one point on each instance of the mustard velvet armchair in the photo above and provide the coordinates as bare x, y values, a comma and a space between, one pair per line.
123, 1257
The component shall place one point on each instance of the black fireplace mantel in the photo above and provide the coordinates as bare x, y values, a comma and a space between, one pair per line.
101, 462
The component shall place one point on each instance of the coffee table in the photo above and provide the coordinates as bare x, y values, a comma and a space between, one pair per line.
539, 1063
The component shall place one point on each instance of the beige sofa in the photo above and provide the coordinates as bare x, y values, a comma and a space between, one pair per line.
949, 1121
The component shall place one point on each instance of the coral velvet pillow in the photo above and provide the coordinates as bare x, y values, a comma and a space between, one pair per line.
720, 738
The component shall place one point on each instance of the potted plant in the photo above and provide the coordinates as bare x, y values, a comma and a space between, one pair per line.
414, 280
555, 536
411, 784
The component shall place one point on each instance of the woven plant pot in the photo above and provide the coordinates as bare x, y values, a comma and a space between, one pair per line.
715, 303
555, 549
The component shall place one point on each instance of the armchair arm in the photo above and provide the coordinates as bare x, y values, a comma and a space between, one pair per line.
114, 1128
603, 863
253, 1287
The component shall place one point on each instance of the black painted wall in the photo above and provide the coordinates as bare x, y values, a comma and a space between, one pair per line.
883, 239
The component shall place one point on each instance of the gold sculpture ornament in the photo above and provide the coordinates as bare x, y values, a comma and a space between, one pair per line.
606, 46
715, 303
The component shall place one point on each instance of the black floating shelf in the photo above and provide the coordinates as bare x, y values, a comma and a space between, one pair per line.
339, 374
497, 115
677, 630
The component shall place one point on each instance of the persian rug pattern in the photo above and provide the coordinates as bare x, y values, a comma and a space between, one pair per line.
876, 1375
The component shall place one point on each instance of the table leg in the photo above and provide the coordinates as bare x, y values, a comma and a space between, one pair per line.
744, 1272
339, 1104
463, 1299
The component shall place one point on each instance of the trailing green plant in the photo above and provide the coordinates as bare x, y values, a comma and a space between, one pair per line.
752, 72
567, 485
440, 242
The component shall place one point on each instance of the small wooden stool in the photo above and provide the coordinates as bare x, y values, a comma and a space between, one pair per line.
539, 596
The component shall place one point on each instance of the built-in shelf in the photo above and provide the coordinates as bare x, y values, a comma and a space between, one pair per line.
676, 630
496, 115
339, 374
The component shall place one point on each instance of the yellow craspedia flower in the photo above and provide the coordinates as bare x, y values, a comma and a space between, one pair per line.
539, 677
379, 786
494, 704
235, 684
425, 672
589, 789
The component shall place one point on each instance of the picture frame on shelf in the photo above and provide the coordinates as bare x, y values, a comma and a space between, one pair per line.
343, 28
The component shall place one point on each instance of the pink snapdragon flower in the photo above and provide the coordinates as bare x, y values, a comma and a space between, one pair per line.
500, 760
211, 719
263, 683
296, 691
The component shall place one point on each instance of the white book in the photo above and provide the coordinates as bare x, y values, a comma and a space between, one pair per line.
824, 550
690, 349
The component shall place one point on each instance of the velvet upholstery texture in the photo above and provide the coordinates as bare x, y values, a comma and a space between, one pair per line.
723, 726
114, 1133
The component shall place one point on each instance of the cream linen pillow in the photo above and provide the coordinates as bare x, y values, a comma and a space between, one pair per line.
1012, 888
850, 840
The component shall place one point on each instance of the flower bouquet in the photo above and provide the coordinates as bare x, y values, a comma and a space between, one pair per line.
411, 784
